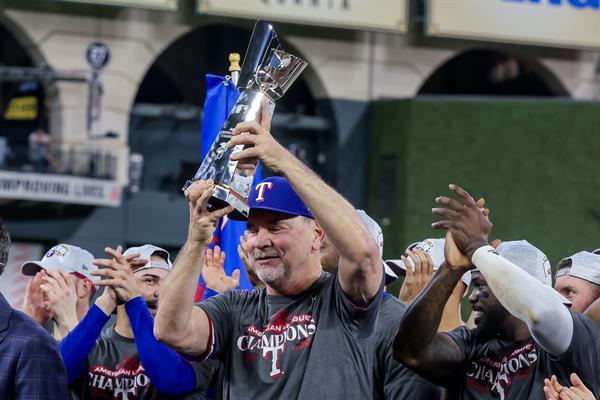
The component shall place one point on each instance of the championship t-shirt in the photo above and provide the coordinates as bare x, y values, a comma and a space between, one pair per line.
499, 369
114, 372
316, 345
391, 379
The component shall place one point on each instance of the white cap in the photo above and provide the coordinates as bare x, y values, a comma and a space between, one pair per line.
527, 257
71, 259
435, 249
597, 251
584, 265
148, 250
377, 234
530, 259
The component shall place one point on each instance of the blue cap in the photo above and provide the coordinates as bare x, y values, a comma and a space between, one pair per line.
276, 194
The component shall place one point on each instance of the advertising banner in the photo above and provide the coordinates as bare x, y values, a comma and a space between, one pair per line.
157, 4
388, 15
59, 189
557, 23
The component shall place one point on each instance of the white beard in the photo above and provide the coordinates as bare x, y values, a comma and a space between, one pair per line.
269, 275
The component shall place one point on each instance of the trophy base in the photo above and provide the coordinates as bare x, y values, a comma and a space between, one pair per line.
225, 196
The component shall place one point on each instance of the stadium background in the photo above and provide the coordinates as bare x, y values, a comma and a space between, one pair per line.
388, 118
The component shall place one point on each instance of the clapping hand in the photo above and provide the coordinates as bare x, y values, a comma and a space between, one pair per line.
455, 259
118, 273
418, 274
464, 220
555, 391
214, 274
59, 288
34, 303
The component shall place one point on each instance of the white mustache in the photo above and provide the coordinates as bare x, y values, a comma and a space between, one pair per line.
257, 254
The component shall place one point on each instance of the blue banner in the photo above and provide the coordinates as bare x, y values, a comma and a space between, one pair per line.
221, 95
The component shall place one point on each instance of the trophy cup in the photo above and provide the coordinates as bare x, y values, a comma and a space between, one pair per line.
267, 73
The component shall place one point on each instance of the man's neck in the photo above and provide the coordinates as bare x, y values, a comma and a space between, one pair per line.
293, 287
123, 326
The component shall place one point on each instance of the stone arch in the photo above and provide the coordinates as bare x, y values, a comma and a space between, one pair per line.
18, 50
493, 72
177, 77
239, 38
20, 35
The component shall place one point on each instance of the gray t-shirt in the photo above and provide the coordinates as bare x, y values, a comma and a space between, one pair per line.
316, 345
499, 369
391, 379
114, 372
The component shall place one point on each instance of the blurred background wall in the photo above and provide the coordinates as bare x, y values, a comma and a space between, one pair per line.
387, 116
534, 161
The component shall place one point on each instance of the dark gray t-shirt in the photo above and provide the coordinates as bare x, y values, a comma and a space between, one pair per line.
391, 379
114, 372
316, 345
498, 369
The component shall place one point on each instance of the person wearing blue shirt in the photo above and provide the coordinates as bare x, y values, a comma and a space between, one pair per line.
127, 361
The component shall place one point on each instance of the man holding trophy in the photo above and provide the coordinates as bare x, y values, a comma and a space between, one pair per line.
308, 334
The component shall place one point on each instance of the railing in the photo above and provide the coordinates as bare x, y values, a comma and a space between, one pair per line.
88, 162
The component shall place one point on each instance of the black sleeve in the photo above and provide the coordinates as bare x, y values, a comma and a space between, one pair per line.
463, 338
583, 354
401, 383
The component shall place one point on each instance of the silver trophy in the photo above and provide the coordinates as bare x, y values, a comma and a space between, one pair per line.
267, 73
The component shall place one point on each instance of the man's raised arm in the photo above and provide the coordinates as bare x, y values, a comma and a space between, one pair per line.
529, 300
178, 322
417, 344
360, 267
434, 355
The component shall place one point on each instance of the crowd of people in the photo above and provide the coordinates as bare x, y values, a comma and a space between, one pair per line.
319, 323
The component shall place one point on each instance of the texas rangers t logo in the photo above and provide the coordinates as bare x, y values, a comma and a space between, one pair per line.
260, 188
283, 335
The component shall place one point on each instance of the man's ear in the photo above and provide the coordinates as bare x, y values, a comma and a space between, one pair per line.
319, 236
83, 288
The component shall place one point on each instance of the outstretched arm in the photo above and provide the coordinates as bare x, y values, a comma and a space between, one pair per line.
418, 345
168, 371
534, 303
76, 346
529, 300
360, 268
178, 323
